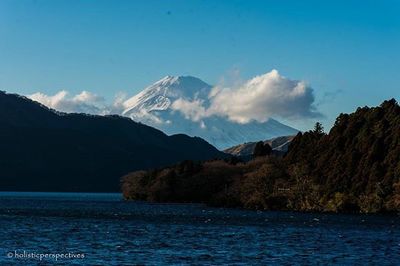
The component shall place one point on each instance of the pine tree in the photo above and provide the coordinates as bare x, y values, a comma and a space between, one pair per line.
318, 128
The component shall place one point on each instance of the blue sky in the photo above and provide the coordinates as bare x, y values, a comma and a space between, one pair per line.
348, 51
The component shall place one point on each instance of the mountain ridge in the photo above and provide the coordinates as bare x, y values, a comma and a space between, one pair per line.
46, 150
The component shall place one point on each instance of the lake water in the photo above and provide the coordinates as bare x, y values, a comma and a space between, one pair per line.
102, 229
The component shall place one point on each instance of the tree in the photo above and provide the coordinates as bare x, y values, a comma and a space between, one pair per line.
262, 149
318, 128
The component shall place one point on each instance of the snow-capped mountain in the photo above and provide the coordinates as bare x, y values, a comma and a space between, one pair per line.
153, 106
146, 105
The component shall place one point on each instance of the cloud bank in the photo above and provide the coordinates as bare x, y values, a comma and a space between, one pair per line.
193, 110
257, 99
84, 102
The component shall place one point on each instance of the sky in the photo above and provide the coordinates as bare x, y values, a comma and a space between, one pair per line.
346, 51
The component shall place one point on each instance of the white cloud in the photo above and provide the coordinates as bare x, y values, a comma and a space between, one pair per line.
193, 110
257, 99
84, 102
90, 103
118, 105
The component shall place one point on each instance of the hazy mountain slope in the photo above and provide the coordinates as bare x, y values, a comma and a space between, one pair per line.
280, 144
44, 150
152, 106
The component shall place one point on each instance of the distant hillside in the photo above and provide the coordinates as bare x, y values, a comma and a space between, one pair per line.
44, 150
354, 168
279, 144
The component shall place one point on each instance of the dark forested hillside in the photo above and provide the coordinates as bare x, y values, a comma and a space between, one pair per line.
360, 157
354, 168
44, 150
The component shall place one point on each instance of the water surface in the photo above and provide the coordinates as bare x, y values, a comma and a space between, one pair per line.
109, 231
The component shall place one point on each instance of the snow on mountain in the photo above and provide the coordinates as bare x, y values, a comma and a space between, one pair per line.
153, 106
159, 95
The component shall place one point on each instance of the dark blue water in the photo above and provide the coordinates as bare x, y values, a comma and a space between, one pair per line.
109, 231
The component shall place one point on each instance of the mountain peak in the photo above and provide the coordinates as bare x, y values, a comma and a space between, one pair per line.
181, 81
161, 94
167, 79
